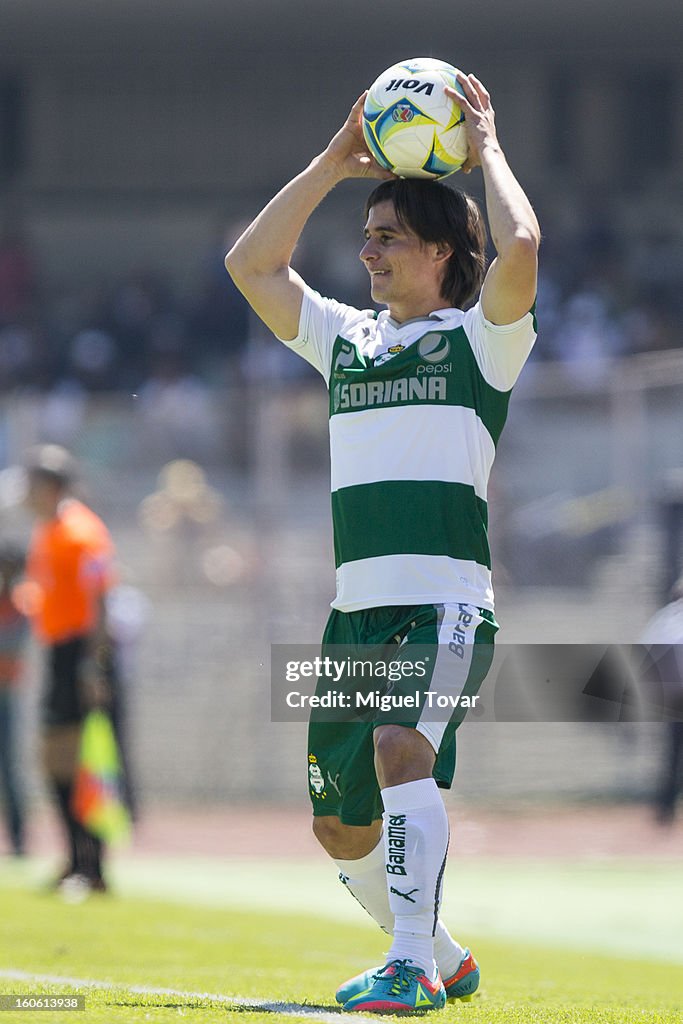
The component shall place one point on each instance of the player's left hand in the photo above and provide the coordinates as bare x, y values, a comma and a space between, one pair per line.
480, 121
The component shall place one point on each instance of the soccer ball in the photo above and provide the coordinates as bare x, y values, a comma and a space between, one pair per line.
410, 125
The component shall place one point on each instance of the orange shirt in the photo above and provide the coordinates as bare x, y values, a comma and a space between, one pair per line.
70, 566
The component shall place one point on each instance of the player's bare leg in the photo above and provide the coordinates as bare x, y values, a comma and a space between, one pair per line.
403, 756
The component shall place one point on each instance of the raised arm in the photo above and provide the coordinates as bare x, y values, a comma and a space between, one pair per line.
510, 285
259, 261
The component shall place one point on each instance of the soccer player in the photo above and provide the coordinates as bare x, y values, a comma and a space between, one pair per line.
69, 568
418, 398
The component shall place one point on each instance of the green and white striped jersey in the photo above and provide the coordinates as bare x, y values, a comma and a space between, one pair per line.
416, 410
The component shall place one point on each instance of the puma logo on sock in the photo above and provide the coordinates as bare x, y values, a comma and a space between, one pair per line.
406, 895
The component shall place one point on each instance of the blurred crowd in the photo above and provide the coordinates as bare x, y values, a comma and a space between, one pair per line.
601, 298
140, 334
123, 335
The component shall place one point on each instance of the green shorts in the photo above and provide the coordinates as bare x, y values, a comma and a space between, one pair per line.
448, 650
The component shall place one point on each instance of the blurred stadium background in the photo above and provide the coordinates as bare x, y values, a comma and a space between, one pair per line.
134, 140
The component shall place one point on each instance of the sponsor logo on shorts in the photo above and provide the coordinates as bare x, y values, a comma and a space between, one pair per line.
459, 636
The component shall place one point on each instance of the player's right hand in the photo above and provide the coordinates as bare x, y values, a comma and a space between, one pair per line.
348, 153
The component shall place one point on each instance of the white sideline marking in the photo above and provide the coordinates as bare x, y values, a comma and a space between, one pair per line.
286, 1009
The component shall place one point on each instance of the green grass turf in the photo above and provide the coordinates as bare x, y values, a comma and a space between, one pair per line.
595, 905
291, 958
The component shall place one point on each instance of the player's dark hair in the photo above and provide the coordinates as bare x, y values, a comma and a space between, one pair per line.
435, 212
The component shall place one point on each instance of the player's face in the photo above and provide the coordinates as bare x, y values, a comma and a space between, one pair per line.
405, 272
42, 497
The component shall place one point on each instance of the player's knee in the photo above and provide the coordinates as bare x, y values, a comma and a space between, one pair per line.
346, 842
329, 832
401, 755
393, 744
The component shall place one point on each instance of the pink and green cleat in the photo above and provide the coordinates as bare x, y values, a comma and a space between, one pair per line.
462, 985
398, 987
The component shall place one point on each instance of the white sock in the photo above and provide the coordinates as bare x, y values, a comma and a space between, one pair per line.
415, 845
448, 953
366, 880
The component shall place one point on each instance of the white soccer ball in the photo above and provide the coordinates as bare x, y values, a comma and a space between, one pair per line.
410, 125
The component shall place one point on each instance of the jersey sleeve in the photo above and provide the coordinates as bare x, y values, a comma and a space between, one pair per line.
500, 350
320, 323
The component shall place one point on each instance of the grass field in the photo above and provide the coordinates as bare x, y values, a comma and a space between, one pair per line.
185, 942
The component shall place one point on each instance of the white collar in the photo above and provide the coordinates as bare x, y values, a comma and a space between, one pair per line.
444, 314
438, 315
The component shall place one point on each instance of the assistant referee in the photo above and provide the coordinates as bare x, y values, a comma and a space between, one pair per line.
69, 571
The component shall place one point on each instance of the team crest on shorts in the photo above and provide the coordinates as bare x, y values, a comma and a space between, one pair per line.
315, 778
